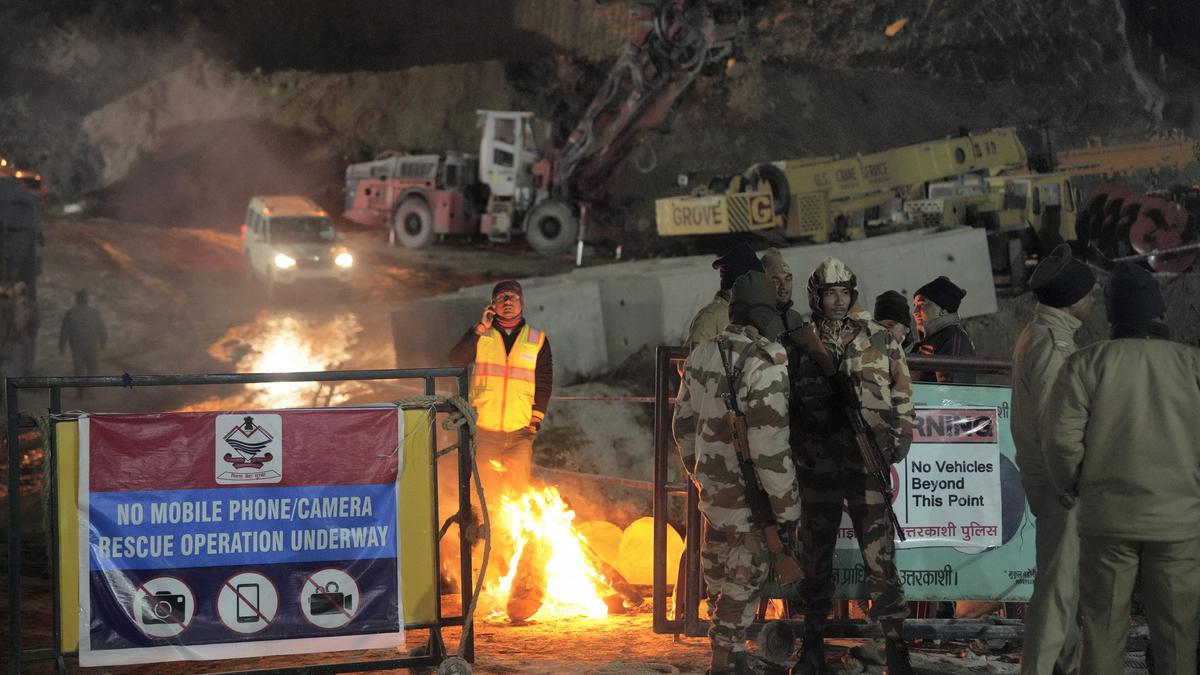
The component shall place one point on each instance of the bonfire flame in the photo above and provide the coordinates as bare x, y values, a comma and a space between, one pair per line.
540, 519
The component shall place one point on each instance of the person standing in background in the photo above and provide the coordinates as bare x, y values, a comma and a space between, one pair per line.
84, 331
939, 329
1119, 436
1063, 286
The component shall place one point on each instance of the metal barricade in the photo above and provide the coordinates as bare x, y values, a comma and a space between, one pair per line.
436, 650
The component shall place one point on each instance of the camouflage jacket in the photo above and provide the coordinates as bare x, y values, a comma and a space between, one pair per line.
709, 321
760, 373
875, 363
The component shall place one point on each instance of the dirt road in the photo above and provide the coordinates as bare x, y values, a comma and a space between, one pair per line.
177, 300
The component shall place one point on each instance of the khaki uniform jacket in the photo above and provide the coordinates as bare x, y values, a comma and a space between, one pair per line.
1041, 349
709, 321
705, 441
1120, 432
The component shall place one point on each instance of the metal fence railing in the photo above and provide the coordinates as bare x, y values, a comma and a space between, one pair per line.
14, 387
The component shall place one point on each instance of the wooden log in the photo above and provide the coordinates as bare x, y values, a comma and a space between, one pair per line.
529, 583
612, 576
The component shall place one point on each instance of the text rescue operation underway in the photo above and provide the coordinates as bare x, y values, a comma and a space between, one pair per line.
183, 512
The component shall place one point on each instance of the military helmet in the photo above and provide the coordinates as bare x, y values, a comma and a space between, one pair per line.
830, 272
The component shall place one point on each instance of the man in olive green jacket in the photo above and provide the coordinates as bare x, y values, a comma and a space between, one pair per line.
780, 273
714, 317
1063, 288
1120, 435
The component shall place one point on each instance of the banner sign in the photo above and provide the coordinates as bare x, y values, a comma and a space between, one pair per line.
947, 491
959, 498
215, 536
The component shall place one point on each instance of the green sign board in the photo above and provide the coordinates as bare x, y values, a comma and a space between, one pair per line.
958, 496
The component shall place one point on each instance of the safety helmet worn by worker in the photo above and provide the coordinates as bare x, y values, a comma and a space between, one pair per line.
830, 272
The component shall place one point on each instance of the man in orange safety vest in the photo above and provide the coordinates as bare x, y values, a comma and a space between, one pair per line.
510, 386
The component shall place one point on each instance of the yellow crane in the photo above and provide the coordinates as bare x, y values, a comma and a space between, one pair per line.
1009, 181
827, 198
1011, 174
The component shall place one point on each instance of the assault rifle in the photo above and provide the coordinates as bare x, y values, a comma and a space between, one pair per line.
873, 461
783, 563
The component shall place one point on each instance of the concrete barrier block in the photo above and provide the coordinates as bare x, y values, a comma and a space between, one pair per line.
597, 317
631, 312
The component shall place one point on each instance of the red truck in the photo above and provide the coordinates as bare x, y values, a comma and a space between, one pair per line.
418, 197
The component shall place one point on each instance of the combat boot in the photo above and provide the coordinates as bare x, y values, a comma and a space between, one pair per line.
812, 651
727, 662
896, 653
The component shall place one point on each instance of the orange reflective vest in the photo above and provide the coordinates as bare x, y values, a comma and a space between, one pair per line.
502, 385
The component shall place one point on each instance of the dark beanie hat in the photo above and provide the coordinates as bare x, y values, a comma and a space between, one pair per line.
739, 260
1133, 295
1061, 280
508, 285
942, 291
891, 306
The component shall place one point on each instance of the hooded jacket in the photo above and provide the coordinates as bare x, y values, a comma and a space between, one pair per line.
705, 441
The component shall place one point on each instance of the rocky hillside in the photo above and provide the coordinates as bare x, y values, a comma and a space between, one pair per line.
100, 99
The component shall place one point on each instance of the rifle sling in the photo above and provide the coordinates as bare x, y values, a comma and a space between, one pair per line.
731, 399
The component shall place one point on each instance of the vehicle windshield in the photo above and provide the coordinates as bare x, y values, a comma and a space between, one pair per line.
302, 230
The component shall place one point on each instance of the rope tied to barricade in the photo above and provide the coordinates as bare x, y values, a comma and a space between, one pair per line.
463, 415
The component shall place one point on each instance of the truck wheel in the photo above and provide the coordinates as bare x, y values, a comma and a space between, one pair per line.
775, 178
551, 228
413, 223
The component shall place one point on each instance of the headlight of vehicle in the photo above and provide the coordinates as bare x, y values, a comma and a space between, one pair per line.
344, 259
284, 261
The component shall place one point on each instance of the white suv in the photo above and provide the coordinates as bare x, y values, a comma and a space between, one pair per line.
290, 239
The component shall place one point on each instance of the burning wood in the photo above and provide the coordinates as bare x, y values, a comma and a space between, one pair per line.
529, 586
613, 577
552, 570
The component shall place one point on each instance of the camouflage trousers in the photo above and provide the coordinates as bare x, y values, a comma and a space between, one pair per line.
735, 566
821, 497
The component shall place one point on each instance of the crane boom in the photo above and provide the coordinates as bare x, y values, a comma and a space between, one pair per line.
676, 39
1171, 150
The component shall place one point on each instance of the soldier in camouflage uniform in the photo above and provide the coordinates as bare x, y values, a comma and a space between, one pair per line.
829, 466
735, 560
